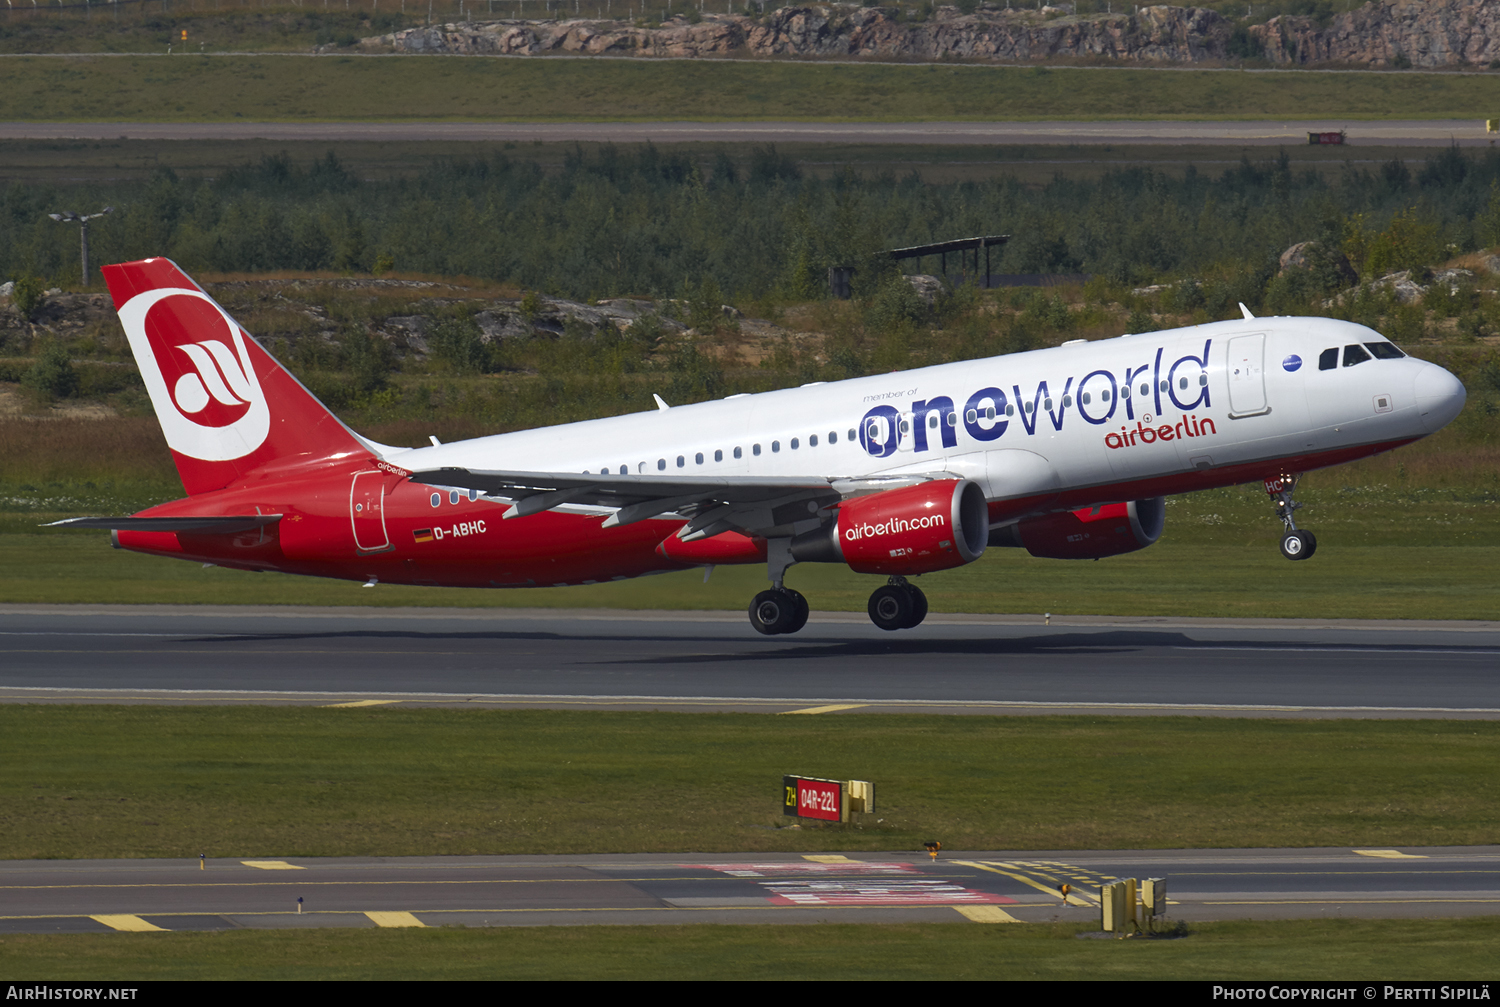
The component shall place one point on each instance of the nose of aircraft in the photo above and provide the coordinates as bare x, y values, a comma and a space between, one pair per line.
1440, 396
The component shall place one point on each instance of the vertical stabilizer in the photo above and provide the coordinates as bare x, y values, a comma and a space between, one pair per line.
225, 405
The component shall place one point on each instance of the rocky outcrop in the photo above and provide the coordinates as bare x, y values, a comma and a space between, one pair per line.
1389, 33
1152, 34
1381, 33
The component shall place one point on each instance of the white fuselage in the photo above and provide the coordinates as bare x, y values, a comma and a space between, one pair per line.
1103, 414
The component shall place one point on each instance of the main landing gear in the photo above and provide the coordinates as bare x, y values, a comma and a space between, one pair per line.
779, 610
896, 605
1295, 543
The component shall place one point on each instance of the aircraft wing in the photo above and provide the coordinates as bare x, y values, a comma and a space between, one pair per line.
198, 525
765, 505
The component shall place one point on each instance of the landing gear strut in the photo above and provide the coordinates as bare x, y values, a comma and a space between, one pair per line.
1295, 543
779, 610
898, 605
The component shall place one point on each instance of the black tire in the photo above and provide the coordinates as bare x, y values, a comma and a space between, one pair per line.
891, 607
799, 617
1312, 545
1296, 545
773, 612
918, 606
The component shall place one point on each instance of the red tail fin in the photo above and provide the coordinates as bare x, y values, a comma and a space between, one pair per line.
226, 406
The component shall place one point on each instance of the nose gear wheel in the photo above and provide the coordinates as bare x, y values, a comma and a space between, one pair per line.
1296, 543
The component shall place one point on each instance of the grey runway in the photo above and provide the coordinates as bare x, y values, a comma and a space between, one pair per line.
715, 661
1411, 132
983, 887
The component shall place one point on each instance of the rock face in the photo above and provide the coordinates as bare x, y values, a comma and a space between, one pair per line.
1382, 33
1419, 33
1153, 34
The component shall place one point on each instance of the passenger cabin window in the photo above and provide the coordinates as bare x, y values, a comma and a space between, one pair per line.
1328, 359
1384, 351
812, 441
1354, 354
739, 452
719, 455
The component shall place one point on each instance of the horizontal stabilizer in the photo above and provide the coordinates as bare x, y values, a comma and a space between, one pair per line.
198, 525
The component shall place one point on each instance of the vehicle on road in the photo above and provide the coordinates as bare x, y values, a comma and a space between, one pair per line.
1065, 452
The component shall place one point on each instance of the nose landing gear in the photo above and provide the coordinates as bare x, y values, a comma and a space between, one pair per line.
898, 605
1295, 543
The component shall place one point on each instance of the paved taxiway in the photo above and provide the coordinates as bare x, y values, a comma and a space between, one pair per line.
1394, 132
101, 895
715, 661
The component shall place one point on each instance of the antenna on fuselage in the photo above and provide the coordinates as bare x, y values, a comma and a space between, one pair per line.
1246, 312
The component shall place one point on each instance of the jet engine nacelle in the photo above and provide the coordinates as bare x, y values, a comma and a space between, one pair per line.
915, 529
1090, 533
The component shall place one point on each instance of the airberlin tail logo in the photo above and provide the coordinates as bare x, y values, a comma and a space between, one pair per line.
216, 377
195, 363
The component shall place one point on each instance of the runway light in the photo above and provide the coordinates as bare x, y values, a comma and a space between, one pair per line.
932, 848
202, 861
1046, 618
1065, 888
299, 905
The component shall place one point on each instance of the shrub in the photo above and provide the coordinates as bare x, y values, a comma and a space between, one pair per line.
52, 375
27, 296
457, 343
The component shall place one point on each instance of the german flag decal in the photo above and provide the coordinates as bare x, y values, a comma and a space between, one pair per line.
422, 534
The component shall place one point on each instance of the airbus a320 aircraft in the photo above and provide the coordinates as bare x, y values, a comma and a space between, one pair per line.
1065, 452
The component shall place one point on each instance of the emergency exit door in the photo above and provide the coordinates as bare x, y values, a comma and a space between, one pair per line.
1247, 376
367, 512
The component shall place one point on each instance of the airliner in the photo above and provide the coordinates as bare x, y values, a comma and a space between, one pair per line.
1066, 452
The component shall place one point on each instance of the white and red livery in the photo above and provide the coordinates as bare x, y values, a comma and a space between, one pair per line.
1066, 452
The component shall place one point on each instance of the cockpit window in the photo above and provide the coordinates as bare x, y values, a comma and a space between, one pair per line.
1354, 354
1385, 351
1328, 359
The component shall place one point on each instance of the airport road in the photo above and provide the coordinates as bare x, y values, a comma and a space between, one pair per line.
1414, 132
715, 661
994, 887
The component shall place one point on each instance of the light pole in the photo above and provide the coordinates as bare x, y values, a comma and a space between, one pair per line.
83, 231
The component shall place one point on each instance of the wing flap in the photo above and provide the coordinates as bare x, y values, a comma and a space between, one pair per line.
753, 505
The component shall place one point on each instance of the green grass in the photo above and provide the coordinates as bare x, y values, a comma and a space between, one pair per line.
69, 162
1344, 581
1412, 535
144, 27
408, 88
137, 781
1355, 950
